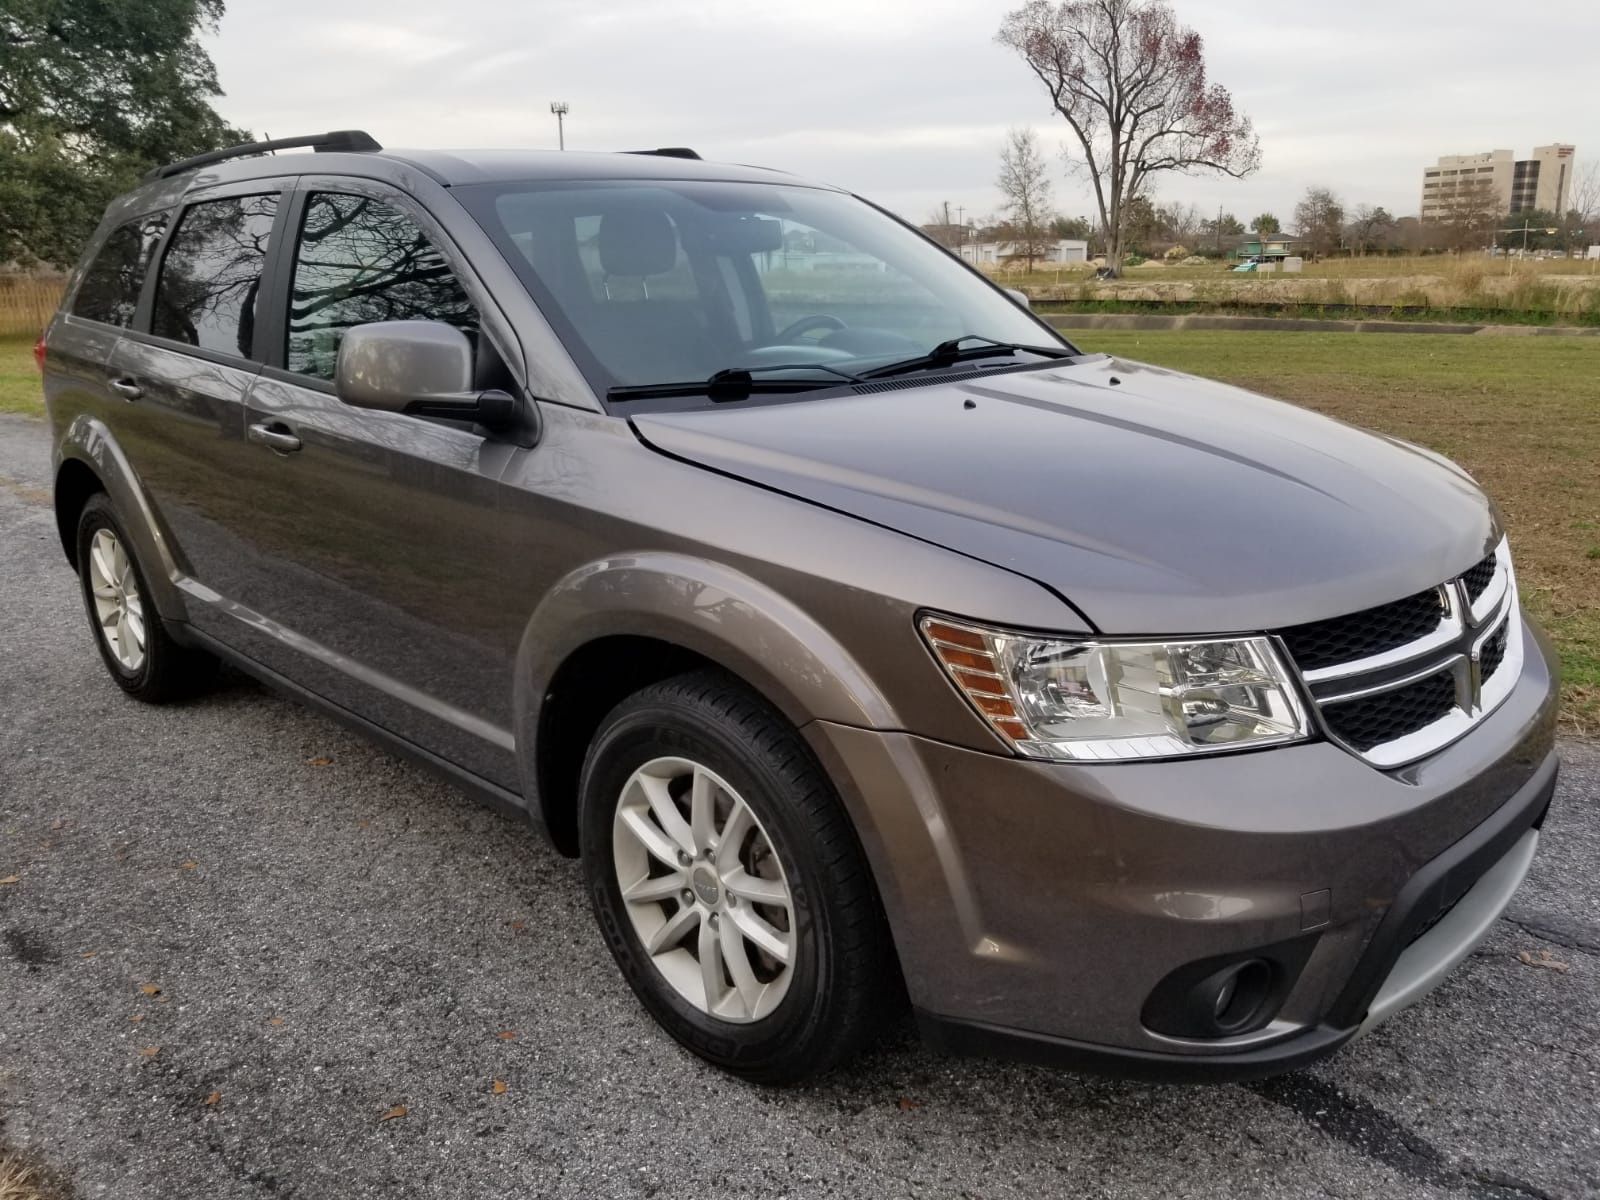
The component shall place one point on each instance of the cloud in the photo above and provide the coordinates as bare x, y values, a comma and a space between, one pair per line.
908, 102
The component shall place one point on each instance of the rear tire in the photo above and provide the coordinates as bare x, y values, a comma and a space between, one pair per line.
134, 644
779, 900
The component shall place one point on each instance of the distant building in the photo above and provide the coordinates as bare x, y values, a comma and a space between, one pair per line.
1273, 247
1542, 182
1065, 250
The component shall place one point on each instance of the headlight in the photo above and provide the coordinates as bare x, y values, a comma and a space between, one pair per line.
1097, 701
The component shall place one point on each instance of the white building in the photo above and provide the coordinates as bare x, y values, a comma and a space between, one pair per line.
1066, 250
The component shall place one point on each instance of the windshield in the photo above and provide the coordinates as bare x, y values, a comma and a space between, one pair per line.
675, 281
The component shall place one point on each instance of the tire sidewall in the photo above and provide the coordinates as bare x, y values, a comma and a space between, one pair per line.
97, 515
661, 730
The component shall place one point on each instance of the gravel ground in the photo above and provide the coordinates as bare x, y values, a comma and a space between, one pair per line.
238, 937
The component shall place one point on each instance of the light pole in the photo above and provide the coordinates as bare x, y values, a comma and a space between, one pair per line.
559, 107
1524, 229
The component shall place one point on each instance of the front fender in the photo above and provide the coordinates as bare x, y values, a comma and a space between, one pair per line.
722, 614
89, 442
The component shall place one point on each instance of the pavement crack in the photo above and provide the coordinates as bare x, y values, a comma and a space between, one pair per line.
1377, 1135
1559, 930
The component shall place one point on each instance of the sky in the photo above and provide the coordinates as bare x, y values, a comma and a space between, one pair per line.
908, 102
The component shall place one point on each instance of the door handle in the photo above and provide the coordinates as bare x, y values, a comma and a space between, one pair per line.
275, 435
127, 389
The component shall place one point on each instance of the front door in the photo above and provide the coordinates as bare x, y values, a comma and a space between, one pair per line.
374, 538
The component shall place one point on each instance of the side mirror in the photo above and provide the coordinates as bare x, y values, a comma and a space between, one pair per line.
419, 368
1020, 297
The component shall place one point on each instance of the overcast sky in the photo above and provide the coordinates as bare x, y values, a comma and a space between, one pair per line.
907, 102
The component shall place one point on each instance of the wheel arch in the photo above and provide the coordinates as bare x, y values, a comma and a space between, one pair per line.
89, 461
615, 626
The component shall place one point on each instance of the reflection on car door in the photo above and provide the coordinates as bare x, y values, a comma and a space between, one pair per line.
183, 371
372, 537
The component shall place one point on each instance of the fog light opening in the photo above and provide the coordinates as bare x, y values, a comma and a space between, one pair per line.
1238, 994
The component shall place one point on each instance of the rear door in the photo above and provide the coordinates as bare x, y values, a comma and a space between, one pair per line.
373, 541
182, 372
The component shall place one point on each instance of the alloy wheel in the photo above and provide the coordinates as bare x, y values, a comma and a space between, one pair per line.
704, 890
118, 607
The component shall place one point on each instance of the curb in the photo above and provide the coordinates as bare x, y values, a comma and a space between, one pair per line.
1140, 321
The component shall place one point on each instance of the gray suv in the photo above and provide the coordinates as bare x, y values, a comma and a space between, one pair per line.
873, 646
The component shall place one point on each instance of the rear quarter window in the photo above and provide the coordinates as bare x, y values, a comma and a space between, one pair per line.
210, 281
109, 291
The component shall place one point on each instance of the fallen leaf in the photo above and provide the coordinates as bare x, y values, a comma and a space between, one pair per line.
399, 1110
1543, 959
89, 954
188, 866
150, 1051
11, 879
136, 1018
499, 1087
150, 989
518, 926
58, 823
323, 761
507, 1035
275, 1021
214, 1099
906, 1103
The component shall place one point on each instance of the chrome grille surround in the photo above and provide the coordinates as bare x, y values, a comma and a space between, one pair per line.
1453, 650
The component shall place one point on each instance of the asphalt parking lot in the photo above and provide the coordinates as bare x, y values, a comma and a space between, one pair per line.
234, 939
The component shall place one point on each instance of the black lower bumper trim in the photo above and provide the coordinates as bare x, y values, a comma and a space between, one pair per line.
951, 1036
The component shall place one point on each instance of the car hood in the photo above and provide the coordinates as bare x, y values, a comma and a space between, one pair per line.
1154, 502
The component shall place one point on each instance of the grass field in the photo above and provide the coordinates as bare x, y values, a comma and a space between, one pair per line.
19, 380
1522, 414
1557, 291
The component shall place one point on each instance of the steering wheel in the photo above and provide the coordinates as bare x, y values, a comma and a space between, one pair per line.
806, 324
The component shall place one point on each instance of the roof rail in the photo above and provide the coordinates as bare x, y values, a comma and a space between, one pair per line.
339, 140
668, 152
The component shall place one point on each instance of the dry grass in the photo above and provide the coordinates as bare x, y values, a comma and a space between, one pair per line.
1522, 414
1562, 288
20, 1179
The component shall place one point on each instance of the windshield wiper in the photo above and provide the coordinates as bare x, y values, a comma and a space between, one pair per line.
947, 353
735, 383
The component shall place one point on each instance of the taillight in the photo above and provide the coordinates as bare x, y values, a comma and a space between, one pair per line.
38, 353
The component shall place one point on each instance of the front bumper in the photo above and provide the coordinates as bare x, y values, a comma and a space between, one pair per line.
1036, 906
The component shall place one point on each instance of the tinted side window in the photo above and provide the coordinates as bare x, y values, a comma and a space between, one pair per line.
359, 261
110, 288
210, 277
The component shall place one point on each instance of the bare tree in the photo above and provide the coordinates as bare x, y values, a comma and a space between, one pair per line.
1319, 219
1469, 215
1583, 209
1131, 83
1370, 229
1025, 184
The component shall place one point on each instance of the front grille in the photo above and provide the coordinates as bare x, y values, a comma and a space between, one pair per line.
1479, 578
1373, 720
1363, 634
1494, 651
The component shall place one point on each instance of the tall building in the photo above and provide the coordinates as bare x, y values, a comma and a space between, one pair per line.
1543, 182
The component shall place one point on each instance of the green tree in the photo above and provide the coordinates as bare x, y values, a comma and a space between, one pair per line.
1266, 225
92, 94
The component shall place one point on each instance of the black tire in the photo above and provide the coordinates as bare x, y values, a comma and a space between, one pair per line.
169, 671
845, 979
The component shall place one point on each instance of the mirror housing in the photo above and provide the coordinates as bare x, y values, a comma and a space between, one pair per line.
419, 369
1021, 297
